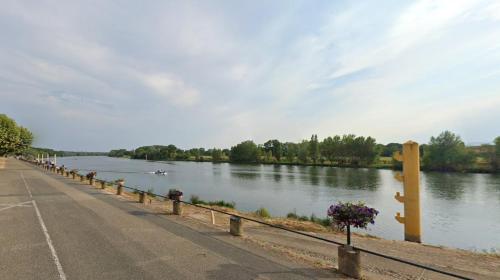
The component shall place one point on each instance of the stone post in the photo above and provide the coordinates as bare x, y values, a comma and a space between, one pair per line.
177, 207
103, 185
142, 197
82, 178
74, 175
349, 261
91, 181
235, 226
119, 187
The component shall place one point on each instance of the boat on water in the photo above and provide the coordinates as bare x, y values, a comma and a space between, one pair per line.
159, 172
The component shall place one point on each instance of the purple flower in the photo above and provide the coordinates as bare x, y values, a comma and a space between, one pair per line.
352, 214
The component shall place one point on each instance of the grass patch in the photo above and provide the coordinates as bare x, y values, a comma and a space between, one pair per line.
263, 213
196, 200
222, 203
313, 218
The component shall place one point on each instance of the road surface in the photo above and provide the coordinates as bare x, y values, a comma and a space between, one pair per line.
53, 227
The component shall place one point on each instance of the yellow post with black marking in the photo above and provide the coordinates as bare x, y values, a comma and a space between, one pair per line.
411, 197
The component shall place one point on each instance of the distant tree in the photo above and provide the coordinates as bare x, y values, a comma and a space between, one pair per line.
390, 149
119, 153
290, 151
495, 162
446, 152
216, 155
303, 151
246, 151
314, 148
275, 147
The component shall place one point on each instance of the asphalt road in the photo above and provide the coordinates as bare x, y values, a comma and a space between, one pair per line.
56, 228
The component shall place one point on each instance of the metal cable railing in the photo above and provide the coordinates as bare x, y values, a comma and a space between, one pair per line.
415, 264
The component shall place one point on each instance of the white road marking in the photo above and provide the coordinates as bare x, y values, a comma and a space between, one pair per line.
62, 276
22, 204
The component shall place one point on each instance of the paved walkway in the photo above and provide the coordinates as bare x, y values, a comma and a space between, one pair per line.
55, 228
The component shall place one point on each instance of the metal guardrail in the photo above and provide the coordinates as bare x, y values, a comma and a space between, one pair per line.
426, 267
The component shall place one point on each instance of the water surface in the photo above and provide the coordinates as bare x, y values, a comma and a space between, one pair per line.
458, 210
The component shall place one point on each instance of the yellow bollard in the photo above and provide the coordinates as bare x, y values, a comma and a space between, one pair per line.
411, 197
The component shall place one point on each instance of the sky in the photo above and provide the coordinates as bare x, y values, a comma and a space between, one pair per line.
99, 75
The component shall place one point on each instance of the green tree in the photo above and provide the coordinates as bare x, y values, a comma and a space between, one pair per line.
314, 148
446, 152
290, 151
246, 151
495, 162
216, 155
14, 139
275, 147
303, 151
390, 149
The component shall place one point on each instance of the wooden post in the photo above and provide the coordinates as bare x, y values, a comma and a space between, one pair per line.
103, 184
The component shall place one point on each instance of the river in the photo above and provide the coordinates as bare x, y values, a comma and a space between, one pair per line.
458, 210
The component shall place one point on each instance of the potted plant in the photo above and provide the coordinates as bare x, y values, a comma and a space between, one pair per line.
91, 175
347, 214
174, 194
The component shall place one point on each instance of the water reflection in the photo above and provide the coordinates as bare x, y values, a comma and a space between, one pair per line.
361, 179
449, 186
277, 173
314, 175
492, 182
245, 175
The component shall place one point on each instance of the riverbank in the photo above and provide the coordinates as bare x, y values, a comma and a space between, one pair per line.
322, 255
383, 164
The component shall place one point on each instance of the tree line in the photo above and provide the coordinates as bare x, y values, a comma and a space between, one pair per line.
347, 150
445, 152
33, 152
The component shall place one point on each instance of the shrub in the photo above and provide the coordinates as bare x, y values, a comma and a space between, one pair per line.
150, 192
322, 221
263, 213
303, 218
292, 215
196, 200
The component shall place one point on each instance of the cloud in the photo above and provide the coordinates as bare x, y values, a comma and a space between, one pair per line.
215, 74
172, 88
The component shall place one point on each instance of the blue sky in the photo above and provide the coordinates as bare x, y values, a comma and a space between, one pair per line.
96, 75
